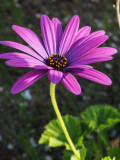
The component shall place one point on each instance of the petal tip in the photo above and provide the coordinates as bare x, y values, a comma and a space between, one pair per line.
14, 26
7, 62
2, 42
44, 16
88, 28
115, 50
13, 91
76, 15
78, 92
1, 56
106, 37
109, 82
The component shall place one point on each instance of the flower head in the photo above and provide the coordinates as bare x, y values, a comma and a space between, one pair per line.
60, 54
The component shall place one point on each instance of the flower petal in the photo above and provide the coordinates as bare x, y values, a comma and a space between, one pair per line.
70, 82
100, 52
26, 80
58, 32
55, 76
94, 75
86, 47
84, 61
96, 34
48, 34
78, 67
21, 60
15, 55
22, 48
23, 63
83, 32
97, 55
69, 34
83, 40
42, 67
31, 38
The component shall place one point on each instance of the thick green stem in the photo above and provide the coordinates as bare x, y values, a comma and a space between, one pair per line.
52, 94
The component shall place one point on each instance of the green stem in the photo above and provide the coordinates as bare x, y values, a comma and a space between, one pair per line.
52, 94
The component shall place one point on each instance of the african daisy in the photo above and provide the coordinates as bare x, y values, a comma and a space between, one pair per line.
60, 54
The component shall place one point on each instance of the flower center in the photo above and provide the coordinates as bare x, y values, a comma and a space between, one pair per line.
57, 61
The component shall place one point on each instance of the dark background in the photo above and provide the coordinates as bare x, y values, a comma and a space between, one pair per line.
23, 116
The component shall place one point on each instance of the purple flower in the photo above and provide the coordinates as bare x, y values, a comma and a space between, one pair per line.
61, 54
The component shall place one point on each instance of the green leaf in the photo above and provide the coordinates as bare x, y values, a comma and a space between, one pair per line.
108, 158
53, 142
100, 117
82, 152
54, 136
69, 154
103, 136
115, 152
89, 144
73, 157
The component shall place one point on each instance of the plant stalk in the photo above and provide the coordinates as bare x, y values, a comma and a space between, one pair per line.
118, 11
52, 94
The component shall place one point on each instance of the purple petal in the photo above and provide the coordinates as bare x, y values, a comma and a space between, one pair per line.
15, 55
69, 34
22, 48
78, 67
58, 32
97, 55
20, 60
70, 82
26, 80
92, 60
55, 76
24, 63
83, 32
94, 75
95, 34
86, 47
31, 38
83, 40
48, 34
100, 52
42, 67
